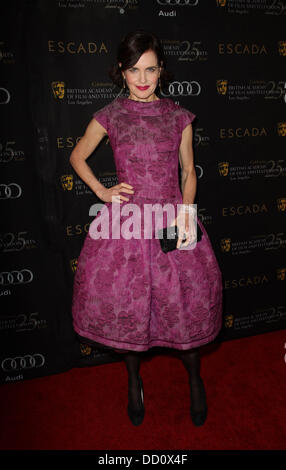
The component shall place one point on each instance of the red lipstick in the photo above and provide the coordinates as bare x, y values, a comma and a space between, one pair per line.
142, 88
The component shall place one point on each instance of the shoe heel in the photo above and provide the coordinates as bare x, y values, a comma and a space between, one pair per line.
137, 415
199, 417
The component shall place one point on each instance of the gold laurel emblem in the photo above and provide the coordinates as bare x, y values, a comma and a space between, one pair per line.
73, 264
281, 274
58, 89
67, 182
282, 48
221, 86
223, 168
281, 204
221, 3
281, 128
228, 321
225, 244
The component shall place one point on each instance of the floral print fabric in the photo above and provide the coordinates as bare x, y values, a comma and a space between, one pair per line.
128, 294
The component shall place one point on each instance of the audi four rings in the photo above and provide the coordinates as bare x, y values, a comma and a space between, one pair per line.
184, 88
8, 278
29, 361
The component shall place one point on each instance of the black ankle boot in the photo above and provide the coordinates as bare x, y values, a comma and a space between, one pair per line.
136, 415
199, 417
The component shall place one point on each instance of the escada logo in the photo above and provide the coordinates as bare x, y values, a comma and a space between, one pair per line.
67, 142
184, 88
78, 229
256, 280
244, 210
242, 132
73, 47
241, 49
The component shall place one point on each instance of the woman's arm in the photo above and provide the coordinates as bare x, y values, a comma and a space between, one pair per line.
84, 148
186, 158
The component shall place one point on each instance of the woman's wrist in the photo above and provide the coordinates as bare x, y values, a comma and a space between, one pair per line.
189, 208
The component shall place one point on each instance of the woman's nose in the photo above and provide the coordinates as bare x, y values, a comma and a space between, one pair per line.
142, 77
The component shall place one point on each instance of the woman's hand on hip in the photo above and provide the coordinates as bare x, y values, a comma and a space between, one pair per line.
113, 194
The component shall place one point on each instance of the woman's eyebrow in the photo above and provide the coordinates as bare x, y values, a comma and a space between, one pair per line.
133, 67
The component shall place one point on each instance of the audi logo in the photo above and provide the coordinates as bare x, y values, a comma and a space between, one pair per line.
23, 362
16, 277
199, 174
8, 96
183, 89
10, 191
178, 2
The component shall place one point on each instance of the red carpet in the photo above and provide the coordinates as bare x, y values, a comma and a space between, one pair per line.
86, 408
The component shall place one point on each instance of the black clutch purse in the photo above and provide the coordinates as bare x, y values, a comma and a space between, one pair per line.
168, 237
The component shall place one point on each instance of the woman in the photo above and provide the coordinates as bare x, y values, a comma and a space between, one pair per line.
129, 295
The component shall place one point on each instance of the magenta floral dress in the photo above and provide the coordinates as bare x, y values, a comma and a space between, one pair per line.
128, 293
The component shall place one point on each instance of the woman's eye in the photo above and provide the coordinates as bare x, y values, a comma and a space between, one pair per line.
150, 69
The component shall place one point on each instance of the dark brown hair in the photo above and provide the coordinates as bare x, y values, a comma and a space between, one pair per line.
130, 49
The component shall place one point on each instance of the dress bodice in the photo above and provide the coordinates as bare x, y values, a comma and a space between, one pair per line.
145, 138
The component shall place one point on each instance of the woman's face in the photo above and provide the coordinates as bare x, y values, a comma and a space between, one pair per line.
142, 78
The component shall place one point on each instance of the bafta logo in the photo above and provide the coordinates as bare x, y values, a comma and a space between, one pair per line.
85, 349
225, 244
282, 48
281, 204
58, 90
281, 274
221, 3
73, 264
228, 321
223, 168
67, 182
281, 129
221, 86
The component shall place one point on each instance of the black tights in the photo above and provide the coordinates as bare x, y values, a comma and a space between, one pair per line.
132, 361
191, 361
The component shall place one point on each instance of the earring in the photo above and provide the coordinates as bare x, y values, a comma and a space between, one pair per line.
122, 89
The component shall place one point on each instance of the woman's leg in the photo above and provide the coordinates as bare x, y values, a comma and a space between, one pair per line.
132, 361
191, 361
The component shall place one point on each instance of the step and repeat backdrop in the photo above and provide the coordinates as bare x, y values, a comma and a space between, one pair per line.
228, 62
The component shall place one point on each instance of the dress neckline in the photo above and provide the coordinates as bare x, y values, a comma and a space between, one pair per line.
147, 108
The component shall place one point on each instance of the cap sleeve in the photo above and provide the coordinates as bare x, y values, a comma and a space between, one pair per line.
102, 116
186, 118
